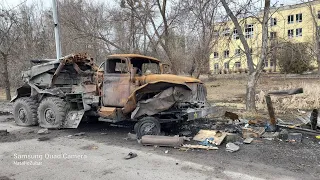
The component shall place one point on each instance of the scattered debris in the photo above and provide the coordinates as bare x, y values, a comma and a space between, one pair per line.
252, 132
190, 146
283, 134
318, 137
300, 129
248, 140
131, 137
89, 147
103, 133
270, 135
231, 137
185, 133
207, 142
166, 151
168, 141
218, 136
131, 155
43, 131
80, 134
238, 143
4, 132
231, 115
69, 136
231, 147
5, 113
314, 119
43, 138
294, 137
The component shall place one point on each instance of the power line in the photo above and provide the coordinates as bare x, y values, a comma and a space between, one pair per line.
16, 5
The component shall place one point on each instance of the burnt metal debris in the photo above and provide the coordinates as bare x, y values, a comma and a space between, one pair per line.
125, 87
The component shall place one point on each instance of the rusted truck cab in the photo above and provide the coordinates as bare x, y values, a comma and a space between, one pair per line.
125, 87
136, 88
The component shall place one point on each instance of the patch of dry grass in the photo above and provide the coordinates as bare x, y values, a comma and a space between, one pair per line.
308, 100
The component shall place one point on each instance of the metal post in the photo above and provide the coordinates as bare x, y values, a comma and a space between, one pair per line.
56, 28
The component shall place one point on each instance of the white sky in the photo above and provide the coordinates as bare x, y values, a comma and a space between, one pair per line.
47, 3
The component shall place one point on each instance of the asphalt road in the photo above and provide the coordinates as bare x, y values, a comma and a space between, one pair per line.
99, 154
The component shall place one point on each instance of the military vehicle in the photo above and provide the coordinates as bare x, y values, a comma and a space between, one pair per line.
125, 87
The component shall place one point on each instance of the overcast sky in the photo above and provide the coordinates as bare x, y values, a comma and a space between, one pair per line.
47, 3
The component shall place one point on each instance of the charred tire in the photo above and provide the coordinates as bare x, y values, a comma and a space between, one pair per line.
147, 126
52, 112
25, 111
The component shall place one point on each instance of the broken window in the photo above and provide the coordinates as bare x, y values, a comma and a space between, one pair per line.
237, 64
273, 35
226, 65
299, 17
299, 32
237, 52
271, 63
145, 66
226, 32
249, 30
290, 33
116, 66
235, 34
226, 53
215, 55
290, 19
273, 21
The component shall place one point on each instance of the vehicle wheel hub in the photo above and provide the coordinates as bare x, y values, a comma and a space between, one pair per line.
22, 115
148, 129
49, 116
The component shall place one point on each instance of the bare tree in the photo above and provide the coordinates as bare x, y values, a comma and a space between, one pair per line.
9, 36
254, 72
201, 20
316, 45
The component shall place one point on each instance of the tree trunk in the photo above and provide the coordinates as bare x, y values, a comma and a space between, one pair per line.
6, 76
251, 92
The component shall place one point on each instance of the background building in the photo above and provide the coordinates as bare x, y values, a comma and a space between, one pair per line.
292, 23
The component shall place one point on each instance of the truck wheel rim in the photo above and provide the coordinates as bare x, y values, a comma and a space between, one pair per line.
22, 115
49, 116
148, 129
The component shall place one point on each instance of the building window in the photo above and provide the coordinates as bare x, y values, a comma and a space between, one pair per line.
290, 33
226, 65
216, 66
235, 34
299, 32
226, 32
299, 17
290, 19
266, 63
237, 52
215, 55
271, 63
249, 30
273, 35
226, 53
237, 64
273, 22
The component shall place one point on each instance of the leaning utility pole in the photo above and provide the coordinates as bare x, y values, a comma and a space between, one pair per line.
56, 28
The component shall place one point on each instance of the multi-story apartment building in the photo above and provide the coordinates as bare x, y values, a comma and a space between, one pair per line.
292, 23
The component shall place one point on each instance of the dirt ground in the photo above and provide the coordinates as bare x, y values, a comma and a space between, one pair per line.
105, 146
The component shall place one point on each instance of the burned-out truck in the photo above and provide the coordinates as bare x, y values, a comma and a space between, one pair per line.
125, 87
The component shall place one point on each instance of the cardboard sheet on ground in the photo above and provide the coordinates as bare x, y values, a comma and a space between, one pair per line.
217, 135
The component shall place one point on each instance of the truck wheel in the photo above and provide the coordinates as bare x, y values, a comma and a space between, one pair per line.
147, 126
25, 111
52, 112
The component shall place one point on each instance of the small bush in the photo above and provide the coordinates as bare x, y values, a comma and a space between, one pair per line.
294, 58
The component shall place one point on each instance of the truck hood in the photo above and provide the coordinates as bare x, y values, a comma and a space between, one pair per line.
166, 77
